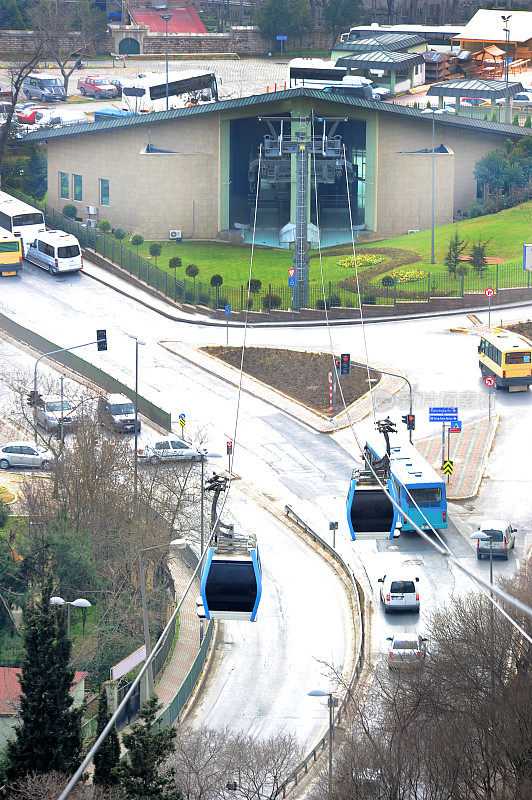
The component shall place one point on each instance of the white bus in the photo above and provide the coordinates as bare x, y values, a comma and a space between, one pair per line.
147, 92
20, 219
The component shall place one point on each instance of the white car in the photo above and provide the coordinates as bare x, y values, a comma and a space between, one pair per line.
170, 449
399, 592
51, 411
406, 650
25, 454
502, 536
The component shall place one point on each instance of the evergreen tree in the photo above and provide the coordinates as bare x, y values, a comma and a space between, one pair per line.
10, 15
477, 257
454, 251
141, 776
108, 756
340, 15
49, 735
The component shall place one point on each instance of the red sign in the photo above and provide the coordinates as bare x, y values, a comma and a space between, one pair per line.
489, 292
489, 381
455, 430
291, 272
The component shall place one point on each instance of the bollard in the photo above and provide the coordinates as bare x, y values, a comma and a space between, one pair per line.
274, 87
267, 90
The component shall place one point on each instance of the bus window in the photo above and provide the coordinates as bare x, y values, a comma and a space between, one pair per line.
425, 496
517, 358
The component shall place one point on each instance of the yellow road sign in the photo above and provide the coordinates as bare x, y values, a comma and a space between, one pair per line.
448, 467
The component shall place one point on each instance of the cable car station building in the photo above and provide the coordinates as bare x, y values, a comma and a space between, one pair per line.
195, 170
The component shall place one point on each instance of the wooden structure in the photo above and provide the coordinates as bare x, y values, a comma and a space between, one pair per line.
485, 63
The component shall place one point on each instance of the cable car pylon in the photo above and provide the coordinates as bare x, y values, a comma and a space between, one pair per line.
369, 510
231, 577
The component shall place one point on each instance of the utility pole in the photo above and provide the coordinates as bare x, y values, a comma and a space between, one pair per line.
506, 30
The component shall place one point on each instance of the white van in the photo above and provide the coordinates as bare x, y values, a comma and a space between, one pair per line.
56, 251
56, 118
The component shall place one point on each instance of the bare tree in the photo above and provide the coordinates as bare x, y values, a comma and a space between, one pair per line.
55, 27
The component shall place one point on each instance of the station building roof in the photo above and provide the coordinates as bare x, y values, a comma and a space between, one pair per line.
392, 42
475, 87
254, 102
487, 26
381, 59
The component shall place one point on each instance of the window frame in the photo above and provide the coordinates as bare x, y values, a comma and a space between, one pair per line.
77, 196
64, 185
103, 181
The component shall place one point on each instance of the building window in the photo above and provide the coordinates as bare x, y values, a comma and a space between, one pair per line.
77, 187
104, 192
63, 185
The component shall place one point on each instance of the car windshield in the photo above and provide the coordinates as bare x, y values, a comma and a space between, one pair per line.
56, 406
52, 82
405, 644
402, 587
495, 536
122, 408
101, 83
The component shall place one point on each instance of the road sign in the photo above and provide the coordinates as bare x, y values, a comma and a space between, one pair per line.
291, 272
456, 427
182, 423
489, 292
443, 417
291, 281
181, 416
229, 448
527, 256
448, 467
443, 410
282, 38
227, 310
489, 381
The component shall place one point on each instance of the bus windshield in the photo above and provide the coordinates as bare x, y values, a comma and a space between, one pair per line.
29, 219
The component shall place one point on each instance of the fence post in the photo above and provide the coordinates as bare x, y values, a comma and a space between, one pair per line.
395, 291
497, 278
103, 245
428, 288
269, 298
217, 296
241, 297
121, 255
156, 277
147, 273
329, 294
166, 284
130, 256
175, 290
138, 266
528, 279
462, 283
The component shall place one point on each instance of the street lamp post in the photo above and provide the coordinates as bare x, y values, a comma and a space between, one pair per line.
332, 702
135, 462
432, 259
167, 18
79, 603
506, 30
175, 544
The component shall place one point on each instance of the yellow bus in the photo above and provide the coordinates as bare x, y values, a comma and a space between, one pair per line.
10, 253
507, 357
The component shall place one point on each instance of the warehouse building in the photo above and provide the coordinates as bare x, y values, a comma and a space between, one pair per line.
196, 170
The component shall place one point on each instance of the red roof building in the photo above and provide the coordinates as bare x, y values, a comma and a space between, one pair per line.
185, 19
10, 689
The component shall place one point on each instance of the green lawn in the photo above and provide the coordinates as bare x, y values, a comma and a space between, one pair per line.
507, 230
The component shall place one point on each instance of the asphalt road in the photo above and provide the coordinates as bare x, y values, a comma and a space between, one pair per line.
292, 464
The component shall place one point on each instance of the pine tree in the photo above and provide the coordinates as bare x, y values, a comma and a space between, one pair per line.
454, 251
49, 735
108, 756
477, 257
141, 776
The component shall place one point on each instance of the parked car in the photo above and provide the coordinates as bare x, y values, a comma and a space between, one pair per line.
25, 454
56, 252
502, 536
51, 411
96, 87
399, 593
406, 650
522, 99
170, 449
41, 86
57, 118
117, 413
27, 115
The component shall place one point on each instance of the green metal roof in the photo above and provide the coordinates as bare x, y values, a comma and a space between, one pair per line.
391, 42
474, 88
381, 59
254, 102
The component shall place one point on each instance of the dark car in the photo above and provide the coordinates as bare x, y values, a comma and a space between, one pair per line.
117, 413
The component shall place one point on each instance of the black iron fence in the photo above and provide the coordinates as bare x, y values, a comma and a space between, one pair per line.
373, 291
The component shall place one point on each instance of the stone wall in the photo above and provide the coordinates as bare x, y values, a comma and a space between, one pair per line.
246, 41
15, 43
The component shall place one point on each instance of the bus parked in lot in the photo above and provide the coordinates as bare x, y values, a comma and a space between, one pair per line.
20, 219
10, 254
507, 358
416, 484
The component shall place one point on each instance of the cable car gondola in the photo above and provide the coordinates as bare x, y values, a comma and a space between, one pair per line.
369, 510
231, 580
231, 576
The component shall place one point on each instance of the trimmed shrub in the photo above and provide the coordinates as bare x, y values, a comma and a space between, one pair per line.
192, 271
528, 121
388, 280
370, 299
271, 302
255, 285
137, 240
119, 233
175, 263
216, 280
155, 250
104, 225
70, 211
515, 120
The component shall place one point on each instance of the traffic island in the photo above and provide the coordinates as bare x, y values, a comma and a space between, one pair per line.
469, 452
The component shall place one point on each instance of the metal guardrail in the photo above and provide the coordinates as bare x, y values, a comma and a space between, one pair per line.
303, 767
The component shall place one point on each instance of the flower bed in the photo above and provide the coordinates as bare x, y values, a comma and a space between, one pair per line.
408, 275
363, 260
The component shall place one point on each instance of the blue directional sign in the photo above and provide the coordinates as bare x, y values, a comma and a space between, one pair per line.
443, 410
443, 417
181, 416
227, 310
282, 38
291, 281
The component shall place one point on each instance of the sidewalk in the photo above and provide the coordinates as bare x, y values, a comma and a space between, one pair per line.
320, 423
187, 645
469, 453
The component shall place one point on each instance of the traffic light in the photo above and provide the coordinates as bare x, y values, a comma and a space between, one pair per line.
337, 364
101, 337
410, 421
345, 364
32, 399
